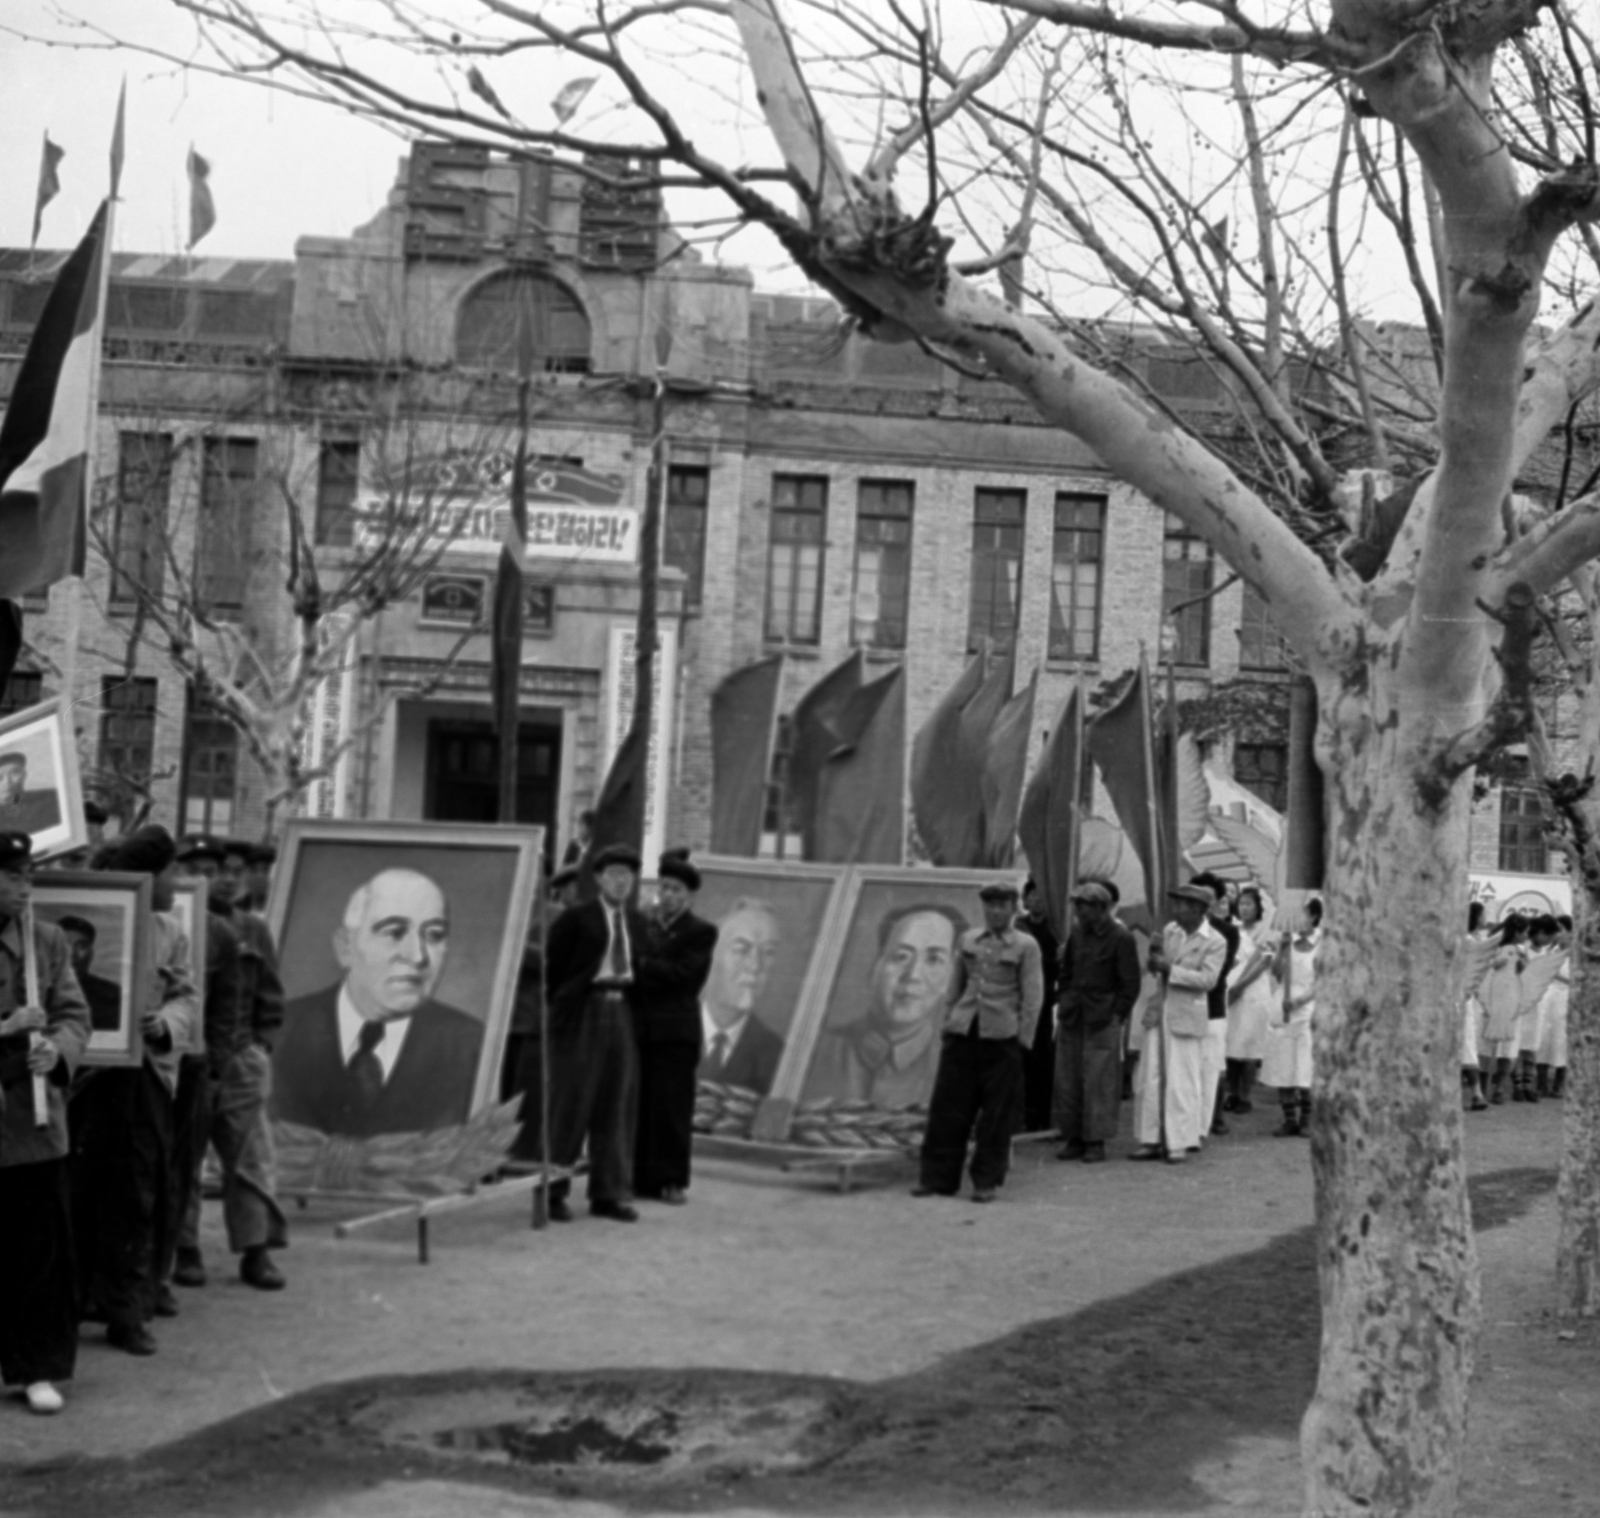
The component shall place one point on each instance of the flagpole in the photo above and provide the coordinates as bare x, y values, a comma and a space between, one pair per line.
511, 722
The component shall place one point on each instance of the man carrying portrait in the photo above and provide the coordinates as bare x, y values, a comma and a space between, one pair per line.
889, 1055
376, 1052
122, 1120
38, 1289
673, 963
590, 966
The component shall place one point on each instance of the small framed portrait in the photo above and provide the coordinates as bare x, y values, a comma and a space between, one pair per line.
106, 918
39, 790
189, 907
400, 945
774, 925
874, 1039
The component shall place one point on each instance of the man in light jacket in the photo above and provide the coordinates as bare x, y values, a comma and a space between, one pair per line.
1172, 1113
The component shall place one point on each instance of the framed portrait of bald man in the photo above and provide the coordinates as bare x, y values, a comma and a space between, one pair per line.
399, 945
40, 794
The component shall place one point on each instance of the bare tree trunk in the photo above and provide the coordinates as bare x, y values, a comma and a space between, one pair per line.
1578, 1190
1397, 1261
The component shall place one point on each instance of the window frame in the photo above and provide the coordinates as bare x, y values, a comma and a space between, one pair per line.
887, 632
1193, 625
684, 525
786, 618
999, 562
1064, 649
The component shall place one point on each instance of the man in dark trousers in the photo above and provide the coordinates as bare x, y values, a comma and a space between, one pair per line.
995, 995
1099, 986
673, 963
38, 1287
1039, 1063
590, 958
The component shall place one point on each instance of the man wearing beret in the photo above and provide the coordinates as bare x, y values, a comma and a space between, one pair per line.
38, 1043
1099, 985
590, 958
673, 964
239, 1076
122, 1118
1171, 1113
994, 1000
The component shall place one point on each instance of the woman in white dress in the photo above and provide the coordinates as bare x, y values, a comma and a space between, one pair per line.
1287, 1063
1249, 1001
1501, 995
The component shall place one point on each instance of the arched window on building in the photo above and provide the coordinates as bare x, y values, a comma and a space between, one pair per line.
486, 331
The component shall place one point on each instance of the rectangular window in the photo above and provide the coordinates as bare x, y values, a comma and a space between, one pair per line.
688, 491
1522, 845
338, 472
227, 511
139, 527
794, 558
1264, 769
1185, 582
883, 563
128, 727
25, 688
1261, 645
210, 769
997, 519
1075, 576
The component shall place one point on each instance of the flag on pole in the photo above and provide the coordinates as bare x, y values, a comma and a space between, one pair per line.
861, 805
506, 654
1122, 743
1050, 818
1004, 769
943, 794
571, 95
744, 726
117, 135
202, 210
49, 183
47, 435
814, 736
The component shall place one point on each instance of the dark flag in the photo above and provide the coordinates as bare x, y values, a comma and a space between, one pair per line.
619, 813
744, 725
202, 209
505, 673
1005, 768
941, 796
1051, 814
814, 736
1303, 826
49, 183
1122, 743
861, 795
47, 435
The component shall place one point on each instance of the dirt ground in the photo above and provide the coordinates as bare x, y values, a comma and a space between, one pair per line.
1117, 1339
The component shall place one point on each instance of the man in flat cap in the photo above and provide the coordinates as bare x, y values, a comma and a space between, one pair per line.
239, 1079
674, 961
38, 1289
591, 957
22, 810
1171, 1113
1099, 985
995, 996
122, 1119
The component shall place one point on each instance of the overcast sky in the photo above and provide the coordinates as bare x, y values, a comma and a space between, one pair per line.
280, 168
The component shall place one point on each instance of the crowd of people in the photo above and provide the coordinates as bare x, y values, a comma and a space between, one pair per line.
100, 1166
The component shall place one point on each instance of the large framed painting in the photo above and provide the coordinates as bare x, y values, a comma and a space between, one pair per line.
106, 917
189, 907
400, 945
775, 922
40, 794
859, 1069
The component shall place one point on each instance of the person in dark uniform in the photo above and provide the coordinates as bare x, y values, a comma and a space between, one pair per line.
1039, 1063
672, 967
995, 995
104, 996
38, 1286
589, 956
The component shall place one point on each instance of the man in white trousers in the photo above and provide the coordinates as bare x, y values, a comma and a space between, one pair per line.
1171, 1112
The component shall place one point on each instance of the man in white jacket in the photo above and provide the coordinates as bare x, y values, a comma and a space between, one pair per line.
1171, 1112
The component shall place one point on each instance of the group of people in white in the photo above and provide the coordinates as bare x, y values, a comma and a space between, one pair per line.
1514, 1012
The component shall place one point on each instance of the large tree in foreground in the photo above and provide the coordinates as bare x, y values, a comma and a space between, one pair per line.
1023, 115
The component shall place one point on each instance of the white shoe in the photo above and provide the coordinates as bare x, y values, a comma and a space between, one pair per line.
44, 1398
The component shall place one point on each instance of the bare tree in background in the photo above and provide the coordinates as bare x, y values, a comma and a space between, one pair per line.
1367, 497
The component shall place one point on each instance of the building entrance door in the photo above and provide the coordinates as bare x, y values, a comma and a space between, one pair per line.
463, 782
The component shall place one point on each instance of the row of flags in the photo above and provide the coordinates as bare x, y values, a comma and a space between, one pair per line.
202, 209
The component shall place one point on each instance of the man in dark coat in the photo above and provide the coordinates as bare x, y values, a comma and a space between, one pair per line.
376, 1053
673, 963
1039, 1062
590, 958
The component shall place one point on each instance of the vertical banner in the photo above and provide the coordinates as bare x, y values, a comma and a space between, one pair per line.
329, 721
618, 697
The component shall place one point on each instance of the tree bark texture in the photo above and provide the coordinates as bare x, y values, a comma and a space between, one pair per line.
1578, 1189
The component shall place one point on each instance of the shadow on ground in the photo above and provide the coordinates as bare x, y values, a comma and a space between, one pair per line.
1116, 1404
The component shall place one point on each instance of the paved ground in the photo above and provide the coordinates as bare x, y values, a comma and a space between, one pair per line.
769, 1274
